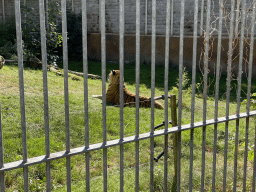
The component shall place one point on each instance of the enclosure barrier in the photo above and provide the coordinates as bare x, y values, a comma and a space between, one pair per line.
177, 129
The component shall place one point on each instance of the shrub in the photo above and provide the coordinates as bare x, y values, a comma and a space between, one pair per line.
74, 28
9, 50
31, 31
8, 32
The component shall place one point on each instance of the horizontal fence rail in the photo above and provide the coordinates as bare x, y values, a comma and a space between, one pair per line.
112, 143
236, 25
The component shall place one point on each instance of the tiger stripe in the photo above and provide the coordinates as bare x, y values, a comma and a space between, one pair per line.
113, 93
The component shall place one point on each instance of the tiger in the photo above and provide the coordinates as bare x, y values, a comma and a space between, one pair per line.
113, 93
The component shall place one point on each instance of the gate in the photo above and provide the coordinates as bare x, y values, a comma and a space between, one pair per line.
238, 16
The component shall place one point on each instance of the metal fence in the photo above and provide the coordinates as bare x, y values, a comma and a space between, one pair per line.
88, 147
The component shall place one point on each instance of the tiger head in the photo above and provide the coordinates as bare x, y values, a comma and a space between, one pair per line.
114, 76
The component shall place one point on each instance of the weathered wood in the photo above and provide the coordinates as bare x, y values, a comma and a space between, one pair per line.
11, 61
149, 99
92, 76
175, 136
60, 72
82, 74
57, 71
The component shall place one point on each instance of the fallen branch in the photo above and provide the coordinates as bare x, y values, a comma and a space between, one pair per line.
11, 61
61, 73
57, 70
82, 74
92, 76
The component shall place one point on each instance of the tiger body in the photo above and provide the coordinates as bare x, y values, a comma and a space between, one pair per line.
113, 93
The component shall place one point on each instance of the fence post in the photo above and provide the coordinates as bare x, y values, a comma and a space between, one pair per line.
173, 106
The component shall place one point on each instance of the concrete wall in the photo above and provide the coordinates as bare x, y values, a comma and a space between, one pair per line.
7, 12
112, 15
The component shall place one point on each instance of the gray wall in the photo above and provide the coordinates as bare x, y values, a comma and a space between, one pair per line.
112, 15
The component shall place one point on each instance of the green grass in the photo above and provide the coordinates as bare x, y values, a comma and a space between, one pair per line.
9, 92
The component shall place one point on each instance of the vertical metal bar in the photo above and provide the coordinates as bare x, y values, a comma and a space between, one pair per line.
44, 62
25, 15
153, 57
248, 95
45, 83
2, 183
166, 161
100, 16
239, 81
25, 174
217, 93
105, 169
68, 174
202, 18
22, 95
214, 154
86, 110
65, 66
103, 62
230, 53
121, 68
21, 78
206, 58
194, 62
167, 49
137, 93
146, 17
121, 62
172, 18
66, 95
245, 153
191, 160
254, 162
87, 156
180, 89
203, 159
181, 61
3, 11
47, 14
225, 157
193, 94
237, 17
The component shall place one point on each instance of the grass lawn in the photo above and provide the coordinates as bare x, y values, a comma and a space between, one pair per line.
11, 123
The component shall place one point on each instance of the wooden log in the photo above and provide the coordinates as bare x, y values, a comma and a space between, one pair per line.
176, 137
54, 69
